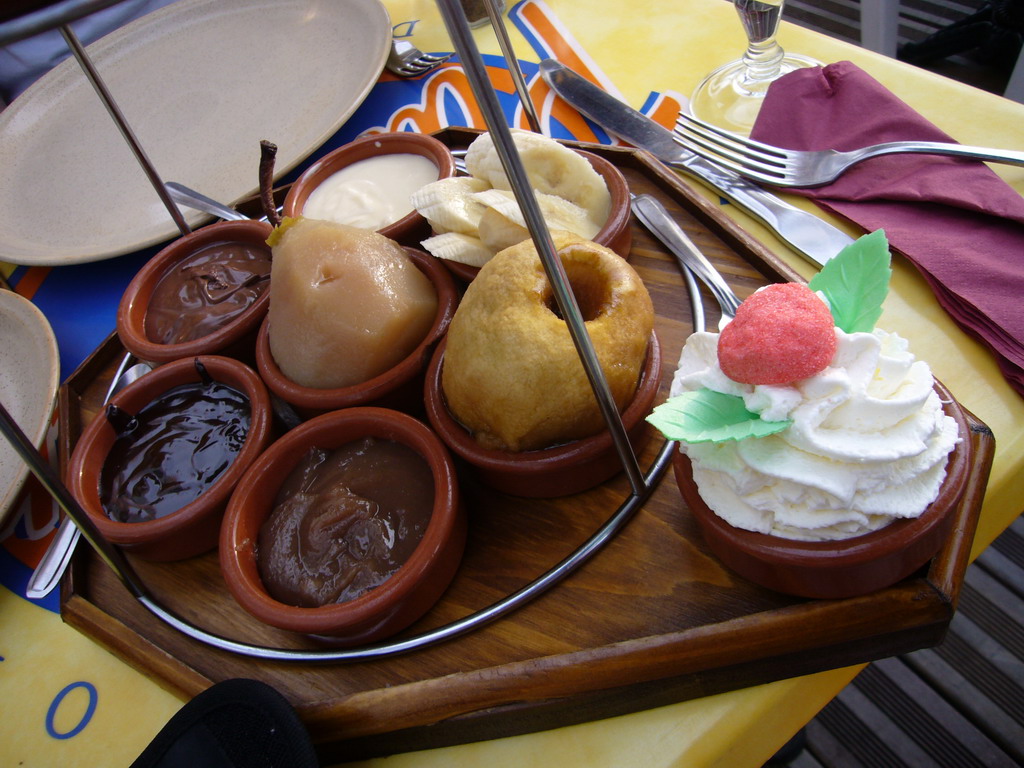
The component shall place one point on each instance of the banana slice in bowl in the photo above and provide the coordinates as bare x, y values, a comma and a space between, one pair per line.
474, 217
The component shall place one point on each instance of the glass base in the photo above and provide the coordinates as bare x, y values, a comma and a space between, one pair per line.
730, 99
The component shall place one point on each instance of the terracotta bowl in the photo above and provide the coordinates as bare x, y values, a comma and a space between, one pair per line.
400, 387
559, 471
194, 528
837, 569
616, 232
412, 228
384, 610
236, 338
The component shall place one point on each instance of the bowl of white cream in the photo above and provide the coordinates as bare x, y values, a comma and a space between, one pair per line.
368, 183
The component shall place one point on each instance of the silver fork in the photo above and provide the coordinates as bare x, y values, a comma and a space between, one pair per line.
406, 60
795, 168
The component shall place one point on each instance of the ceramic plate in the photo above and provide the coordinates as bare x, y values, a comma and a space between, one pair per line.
29, 377
200, 83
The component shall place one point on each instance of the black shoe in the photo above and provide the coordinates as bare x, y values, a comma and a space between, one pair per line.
233, 724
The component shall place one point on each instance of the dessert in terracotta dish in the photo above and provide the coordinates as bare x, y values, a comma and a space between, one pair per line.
204, 294
368, 183
474, 217
353, 317
155, 470
348, 528
508, 391
347, 304
819, 456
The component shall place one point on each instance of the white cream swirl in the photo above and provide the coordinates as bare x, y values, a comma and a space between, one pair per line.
868, 442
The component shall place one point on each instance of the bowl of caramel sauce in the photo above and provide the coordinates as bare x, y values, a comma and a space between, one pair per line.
204, 294
348, 528
155, 469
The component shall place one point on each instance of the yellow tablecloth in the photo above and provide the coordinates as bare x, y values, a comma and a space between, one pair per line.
48, 671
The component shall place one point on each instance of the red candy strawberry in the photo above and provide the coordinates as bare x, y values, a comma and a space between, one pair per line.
780, 334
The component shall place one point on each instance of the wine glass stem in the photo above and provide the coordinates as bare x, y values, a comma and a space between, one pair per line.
760, 19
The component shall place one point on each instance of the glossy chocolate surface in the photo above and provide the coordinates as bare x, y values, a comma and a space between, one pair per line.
172, 450
206, 291
344, 522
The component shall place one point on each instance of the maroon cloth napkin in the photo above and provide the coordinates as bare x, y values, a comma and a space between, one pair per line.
955, 220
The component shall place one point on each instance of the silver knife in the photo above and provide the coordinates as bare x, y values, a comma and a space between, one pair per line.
814, 238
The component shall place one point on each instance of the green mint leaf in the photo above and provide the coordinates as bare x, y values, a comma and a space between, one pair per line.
705, 416
856, 281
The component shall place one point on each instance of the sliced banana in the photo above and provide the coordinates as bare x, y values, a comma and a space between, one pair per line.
552, 168
473, 217
503, 225
498, 233
448, 204
558, 212
456, 246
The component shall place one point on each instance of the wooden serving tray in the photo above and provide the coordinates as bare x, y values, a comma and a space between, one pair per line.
652, 619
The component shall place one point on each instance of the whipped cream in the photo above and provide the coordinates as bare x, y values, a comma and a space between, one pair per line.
867, 444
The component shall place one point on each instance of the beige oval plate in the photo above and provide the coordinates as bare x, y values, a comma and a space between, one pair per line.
200, 83
29, 376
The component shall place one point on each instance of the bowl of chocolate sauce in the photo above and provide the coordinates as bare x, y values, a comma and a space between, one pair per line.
348, 528
204, 294
156, 468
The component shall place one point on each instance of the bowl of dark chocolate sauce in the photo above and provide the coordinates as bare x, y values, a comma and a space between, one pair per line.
206, 293
348, 528
155, 470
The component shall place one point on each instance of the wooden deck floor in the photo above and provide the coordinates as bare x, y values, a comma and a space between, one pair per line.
986, 67
958, 705
961, 704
